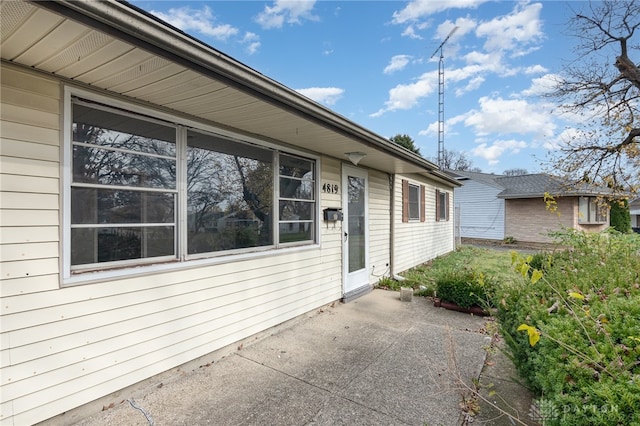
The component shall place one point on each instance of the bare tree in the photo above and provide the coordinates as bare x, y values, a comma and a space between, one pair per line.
602, 87
515, 172
456, 160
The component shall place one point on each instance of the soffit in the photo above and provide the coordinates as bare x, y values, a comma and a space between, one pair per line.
41, 39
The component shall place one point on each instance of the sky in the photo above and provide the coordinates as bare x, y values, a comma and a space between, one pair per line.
376, 63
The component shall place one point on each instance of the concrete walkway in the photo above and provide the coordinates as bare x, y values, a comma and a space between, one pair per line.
374, 361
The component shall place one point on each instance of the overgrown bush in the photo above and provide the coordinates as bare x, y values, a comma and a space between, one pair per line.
573, 327
464, 287
621, 216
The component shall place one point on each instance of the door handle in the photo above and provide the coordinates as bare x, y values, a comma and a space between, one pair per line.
346, 235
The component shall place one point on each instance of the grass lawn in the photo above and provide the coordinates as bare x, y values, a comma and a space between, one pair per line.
491, 262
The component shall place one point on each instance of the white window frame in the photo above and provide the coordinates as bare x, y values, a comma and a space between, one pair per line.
442, 206
134, 267
413, 188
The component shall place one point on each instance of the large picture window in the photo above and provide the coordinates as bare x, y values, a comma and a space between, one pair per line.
229, 194
144, 190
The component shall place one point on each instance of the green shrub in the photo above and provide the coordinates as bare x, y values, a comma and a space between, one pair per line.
585, 304
621, 216
464, 287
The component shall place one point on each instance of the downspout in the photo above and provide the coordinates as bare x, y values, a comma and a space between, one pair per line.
392, 226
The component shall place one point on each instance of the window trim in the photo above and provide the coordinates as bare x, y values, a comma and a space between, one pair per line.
447, 205
413, 188
406, 202
138, 267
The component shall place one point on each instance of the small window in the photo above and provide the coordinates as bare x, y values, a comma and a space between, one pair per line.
442, 206
297, 205
590, 211
412, 202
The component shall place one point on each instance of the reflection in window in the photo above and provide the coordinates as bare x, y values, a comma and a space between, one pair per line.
229, 194
123, 189
297, 207
132, 177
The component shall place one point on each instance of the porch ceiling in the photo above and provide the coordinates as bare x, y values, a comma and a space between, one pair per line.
116, 47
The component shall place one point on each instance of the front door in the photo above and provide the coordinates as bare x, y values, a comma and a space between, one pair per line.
355, 235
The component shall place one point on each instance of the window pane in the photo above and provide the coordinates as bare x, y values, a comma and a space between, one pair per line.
109, 129
583, 210
296, 167
96, 245
125, 150
99, 166
296, 210
296, 188
100, 206
443, 206
356, 224
229, 194
414, 202
296, 231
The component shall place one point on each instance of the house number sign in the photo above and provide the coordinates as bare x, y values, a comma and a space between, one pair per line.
330, 188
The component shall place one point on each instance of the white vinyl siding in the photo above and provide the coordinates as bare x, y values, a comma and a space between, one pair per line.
418, 242
481, 212
379, 225
64, 347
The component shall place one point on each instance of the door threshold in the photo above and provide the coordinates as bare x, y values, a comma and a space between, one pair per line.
358, 292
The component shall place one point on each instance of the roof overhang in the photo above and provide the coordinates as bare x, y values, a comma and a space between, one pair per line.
119, 49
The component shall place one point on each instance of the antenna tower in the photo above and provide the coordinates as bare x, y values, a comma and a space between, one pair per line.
441, 98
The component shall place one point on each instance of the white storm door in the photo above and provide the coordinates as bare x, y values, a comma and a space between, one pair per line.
355, 228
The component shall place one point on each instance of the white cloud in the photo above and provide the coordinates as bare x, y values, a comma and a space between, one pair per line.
493, 152
514, 31
505, 116
198, 20
406, 96
535, 69
417, 9
289, 11
562, 139
542, 85
252, 40
325, 95
397, 63
465, 25
473, 84
411, 33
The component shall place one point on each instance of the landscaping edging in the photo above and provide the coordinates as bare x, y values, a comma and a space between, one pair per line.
475, 310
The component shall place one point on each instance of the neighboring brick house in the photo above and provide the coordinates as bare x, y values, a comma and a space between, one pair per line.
519, 208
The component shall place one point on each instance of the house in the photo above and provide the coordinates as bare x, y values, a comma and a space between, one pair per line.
634, 210
495, 207
124, 140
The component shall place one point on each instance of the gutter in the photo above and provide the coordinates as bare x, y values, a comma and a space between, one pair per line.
138, 27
